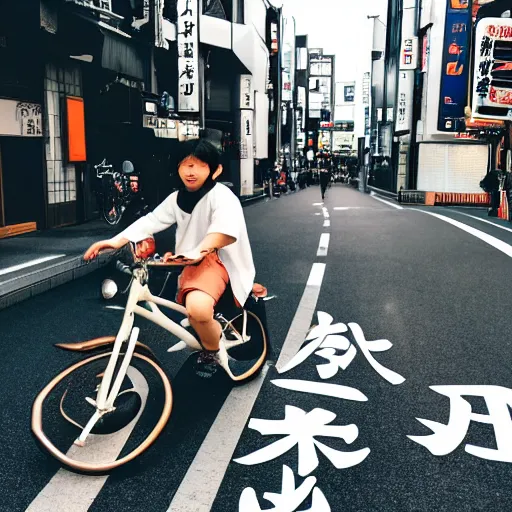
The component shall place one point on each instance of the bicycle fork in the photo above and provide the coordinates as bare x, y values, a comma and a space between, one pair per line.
107, 394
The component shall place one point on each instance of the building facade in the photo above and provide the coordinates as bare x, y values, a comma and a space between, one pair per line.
142, 77
320, 100
440, 113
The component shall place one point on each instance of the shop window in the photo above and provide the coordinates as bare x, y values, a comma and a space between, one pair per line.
222, 9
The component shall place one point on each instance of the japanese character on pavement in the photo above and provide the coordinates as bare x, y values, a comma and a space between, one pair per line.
290, 498
300, 428
325, 342
446, 438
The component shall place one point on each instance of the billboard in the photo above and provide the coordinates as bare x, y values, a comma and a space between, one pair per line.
492, 85
455, 66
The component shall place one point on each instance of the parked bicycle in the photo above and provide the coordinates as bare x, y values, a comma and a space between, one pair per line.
118, 191
77, 412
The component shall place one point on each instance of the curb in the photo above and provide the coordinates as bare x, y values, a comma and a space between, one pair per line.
253, 199
24, 287
382, 192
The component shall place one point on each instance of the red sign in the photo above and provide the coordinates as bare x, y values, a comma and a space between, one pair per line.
501, 96
76, 129
503, 32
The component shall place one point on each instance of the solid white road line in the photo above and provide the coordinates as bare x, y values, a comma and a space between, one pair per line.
69, 492
489, 239
199, 488
303, 317
347, 207
323, 246
327, 223
397, 206
30, 263
318, 204
483, 220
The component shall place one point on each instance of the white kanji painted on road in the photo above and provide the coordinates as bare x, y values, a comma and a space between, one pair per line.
301, 428
317, 336
290, 498
325, 341
446, 438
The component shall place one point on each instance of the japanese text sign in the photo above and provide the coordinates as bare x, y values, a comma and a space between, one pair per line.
492, 90
188, 53
455, 67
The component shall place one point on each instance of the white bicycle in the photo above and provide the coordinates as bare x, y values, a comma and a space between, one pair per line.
79, 412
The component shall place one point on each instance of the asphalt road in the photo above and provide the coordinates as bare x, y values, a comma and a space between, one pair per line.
413, 324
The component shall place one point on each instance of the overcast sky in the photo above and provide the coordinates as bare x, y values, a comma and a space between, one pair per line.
340, 27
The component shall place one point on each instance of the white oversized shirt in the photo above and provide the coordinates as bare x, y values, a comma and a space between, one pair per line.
219, 211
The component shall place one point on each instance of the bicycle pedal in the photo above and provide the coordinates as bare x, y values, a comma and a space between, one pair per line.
90, 401
179, 346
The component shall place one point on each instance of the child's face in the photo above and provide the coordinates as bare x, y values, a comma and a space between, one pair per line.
193, 173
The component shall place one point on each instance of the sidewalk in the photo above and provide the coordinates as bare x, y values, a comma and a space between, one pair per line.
481, 213
35, 262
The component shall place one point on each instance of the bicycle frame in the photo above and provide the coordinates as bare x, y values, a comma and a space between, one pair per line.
107, 391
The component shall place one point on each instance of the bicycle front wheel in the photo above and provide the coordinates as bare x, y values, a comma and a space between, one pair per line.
63, 407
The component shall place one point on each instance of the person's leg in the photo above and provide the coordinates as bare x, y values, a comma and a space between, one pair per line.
200, 313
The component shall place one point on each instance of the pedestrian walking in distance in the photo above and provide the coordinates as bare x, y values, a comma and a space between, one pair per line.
325, 178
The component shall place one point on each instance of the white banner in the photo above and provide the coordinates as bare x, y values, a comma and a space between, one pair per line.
188, 56
105, 5
492, 84
405, 101
20, 119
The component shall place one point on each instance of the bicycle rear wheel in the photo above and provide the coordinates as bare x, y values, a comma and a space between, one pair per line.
246, 359
60, 412
111, 204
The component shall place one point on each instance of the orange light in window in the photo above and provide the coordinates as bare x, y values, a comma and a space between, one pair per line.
76, 130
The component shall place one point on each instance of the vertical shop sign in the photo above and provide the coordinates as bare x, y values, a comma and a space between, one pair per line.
455, 66
492, 84
404, 111
366, 101
425, 52
246, 92
246, 134
188, 56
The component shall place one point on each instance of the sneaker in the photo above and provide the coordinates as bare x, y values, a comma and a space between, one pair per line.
207, 364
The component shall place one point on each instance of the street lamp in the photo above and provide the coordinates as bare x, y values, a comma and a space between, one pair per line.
377, 17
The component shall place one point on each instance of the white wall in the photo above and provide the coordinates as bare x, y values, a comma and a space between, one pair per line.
215, 32
446, 167
261, 124
256, 14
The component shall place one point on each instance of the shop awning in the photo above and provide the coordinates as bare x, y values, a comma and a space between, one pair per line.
110, 48
121, 56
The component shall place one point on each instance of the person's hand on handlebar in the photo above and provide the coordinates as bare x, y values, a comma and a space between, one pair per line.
192, 256
103, 245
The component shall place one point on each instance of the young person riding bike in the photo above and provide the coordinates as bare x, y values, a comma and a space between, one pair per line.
211, 229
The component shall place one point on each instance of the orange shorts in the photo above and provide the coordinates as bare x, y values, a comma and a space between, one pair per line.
210, 276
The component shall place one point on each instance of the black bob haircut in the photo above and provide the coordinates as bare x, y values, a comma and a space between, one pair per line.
202, 150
